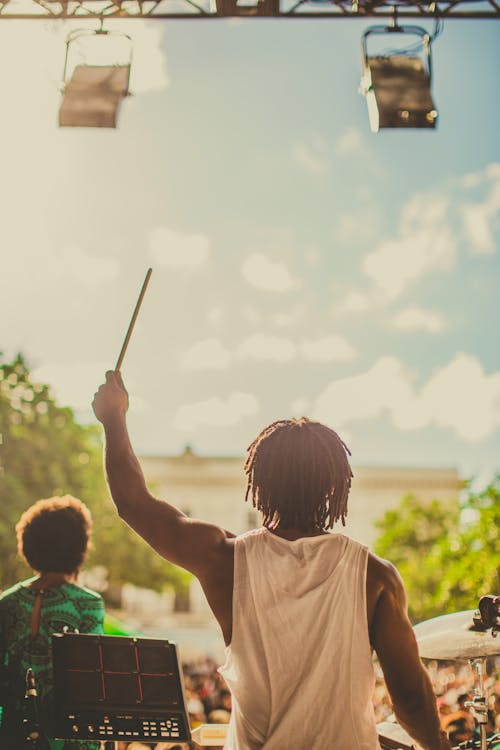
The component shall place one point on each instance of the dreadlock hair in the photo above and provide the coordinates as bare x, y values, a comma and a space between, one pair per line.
299, 475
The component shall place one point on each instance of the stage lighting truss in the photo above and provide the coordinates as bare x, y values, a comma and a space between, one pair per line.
96, 78
205, 9
397, 84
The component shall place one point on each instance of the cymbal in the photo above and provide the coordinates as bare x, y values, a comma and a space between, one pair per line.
452, 637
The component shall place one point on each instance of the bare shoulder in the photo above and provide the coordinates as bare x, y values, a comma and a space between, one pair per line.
210, 532
384, 577
226, 547
213, 545
384, 591
389, 623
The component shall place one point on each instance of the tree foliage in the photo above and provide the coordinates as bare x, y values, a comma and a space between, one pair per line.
45, 452
448, 553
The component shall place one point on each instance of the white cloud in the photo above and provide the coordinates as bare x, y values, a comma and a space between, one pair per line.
459, 396
462, 396
327, 349
382, 388
263, 273
312, 156
418, 319
208, 354
425, 244
482, 219
492, 171
472, 180
353, 302
288, 318
359, 226
263, 347
426, 240
216, 411
477, 228
172, 249
424, 210
350, 142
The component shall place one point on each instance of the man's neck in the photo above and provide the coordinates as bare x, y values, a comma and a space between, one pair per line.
293, 533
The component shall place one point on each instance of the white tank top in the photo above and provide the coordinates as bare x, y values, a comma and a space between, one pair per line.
300, 666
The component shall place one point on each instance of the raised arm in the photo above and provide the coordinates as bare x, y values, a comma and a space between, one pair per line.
194, 545
407, 680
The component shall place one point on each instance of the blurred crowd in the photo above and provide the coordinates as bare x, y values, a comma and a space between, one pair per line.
454, 686
207, 696
209, 700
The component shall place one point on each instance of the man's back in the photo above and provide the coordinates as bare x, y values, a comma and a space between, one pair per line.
299, 479
300, 646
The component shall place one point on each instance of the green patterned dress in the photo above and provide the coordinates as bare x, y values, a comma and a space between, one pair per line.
67, 605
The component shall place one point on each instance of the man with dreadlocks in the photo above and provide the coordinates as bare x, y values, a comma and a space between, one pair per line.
300, 608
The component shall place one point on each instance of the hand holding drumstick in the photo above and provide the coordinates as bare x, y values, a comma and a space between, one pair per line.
111, 400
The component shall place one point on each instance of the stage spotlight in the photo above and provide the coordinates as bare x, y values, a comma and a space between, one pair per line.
397, 85
93, 94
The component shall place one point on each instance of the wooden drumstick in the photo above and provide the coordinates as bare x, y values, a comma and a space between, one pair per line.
133, 319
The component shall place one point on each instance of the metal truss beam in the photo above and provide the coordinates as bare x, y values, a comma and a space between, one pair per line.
189, 9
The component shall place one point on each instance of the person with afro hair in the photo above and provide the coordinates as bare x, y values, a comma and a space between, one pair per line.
53, 537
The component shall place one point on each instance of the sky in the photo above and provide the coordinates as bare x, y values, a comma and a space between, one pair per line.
302, 265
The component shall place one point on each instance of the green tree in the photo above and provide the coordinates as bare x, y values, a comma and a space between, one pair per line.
448, 553
45, 452
469, 557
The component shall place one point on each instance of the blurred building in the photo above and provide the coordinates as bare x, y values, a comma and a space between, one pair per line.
213, 489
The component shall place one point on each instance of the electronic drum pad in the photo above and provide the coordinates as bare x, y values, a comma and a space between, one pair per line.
118, 688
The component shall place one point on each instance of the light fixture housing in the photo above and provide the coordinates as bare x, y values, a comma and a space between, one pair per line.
92, 96
397, 86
